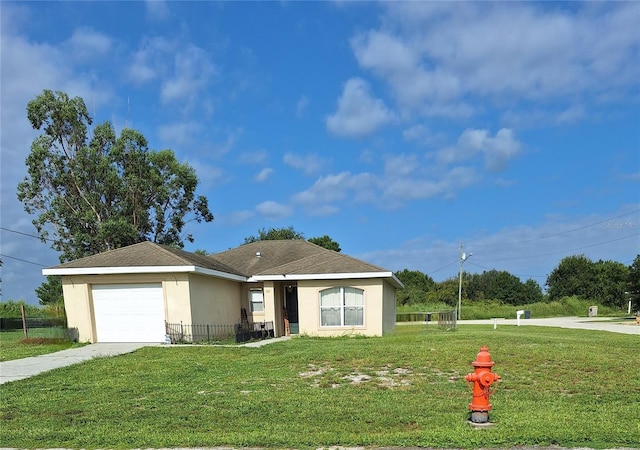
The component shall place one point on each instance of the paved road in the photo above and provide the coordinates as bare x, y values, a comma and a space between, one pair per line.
584, 323
24, 368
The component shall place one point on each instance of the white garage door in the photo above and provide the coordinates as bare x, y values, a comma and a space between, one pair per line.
129, 312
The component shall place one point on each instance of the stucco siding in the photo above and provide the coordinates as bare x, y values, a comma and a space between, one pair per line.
389, 309
309, 307
214, 301
78, 309
78, 301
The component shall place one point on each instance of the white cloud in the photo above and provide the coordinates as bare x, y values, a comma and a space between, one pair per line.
150, 61
255, 157
309, 164
85, 44
191, 72
263, 175
573, 114
157, 9
497, 151
274, 210
179, 133
437, 59
446, 182
359, 113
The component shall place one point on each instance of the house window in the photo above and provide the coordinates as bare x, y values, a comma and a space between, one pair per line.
342, 307
256, 300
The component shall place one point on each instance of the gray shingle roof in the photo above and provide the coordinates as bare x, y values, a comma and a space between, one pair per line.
146, 254
290, 257
261, 258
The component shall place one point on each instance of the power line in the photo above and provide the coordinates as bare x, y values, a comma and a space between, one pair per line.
25, 234
558, 234
569, 250
443, 267
23, 260
516, 274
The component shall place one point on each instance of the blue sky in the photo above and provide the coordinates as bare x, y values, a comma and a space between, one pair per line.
400, 129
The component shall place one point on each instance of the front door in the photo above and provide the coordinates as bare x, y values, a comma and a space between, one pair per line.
291, 306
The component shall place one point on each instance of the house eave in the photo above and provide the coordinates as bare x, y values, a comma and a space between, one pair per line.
139, 270
329, 276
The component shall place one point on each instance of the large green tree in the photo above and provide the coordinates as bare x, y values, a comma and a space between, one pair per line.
574, 275
611, 283
93, 190
50, 292
416, 287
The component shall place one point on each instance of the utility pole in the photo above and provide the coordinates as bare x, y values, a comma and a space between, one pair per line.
463, 258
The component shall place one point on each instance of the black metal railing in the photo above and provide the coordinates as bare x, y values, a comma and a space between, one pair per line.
218, 334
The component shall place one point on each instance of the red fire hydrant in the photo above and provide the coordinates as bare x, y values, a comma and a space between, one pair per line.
482, 379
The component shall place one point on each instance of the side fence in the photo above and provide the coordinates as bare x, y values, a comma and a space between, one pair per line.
447, 320
38, 327
178, 333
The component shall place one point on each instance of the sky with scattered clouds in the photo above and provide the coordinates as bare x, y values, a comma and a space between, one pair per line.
399, 129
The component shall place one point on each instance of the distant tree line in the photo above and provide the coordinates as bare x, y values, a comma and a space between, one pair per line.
608, 283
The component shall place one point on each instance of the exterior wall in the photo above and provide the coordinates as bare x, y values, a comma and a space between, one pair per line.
269, 302
309, 307
214, 300
177, 303
388, 308
79, 309
78, 302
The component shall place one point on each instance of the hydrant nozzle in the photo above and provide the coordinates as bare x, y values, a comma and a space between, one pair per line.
482, 379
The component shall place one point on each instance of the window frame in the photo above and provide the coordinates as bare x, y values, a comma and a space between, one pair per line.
342, 307
252, 303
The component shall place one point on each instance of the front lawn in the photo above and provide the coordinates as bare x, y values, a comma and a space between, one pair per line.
41, 342
565, 387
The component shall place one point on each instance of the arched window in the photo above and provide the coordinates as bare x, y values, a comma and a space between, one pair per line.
342, 307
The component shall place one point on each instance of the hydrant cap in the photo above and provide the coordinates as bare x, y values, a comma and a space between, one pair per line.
484, 358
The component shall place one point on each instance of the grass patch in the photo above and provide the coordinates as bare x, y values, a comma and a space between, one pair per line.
13, 344
565, 387
565, 307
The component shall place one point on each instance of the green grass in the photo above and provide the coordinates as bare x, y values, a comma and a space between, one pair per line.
565, 387
42, 341
567, 306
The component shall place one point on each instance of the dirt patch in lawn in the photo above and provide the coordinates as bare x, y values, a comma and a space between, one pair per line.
386, 377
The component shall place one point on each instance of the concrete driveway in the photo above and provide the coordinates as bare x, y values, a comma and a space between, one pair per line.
19, 369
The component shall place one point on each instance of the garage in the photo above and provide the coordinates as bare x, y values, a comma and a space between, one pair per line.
129, 312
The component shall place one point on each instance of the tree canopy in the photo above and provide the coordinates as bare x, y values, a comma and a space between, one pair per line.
490, 285
605, 281
93, 190
289, 233
274, 234
326, 242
